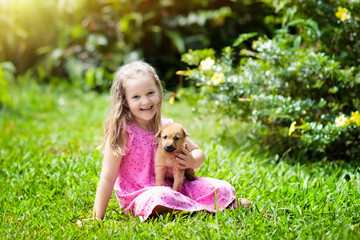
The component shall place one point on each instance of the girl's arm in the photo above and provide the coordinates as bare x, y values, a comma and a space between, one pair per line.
110, 168
191, 157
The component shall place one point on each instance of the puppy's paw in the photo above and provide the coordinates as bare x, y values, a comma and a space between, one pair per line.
178, 189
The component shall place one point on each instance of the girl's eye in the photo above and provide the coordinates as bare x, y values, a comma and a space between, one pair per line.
176, 138
165, 137
135, 97
150, 93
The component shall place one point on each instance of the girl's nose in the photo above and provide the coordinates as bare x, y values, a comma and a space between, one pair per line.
145, 100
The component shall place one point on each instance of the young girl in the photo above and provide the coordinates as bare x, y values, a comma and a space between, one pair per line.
129, 152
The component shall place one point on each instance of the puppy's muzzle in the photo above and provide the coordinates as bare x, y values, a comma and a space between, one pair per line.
169, 148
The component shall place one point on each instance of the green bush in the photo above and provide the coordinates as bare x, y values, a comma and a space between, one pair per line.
339, 22
292, 92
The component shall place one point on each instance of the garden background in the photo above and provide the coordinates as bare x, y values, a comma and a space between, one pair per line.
269, 90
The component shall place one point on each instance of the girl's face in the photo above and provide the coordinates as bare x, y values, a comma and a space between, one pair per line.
142, 98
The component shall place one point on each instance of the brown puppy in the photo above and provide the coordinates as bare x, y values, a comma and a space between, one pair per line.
171, 138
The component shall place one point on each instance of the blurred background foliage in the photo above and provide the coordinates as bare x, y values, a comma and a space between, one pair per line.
287, 67
86, 41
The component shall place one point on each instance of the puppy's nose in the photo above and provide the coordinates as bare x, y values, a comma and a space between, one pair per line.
169, 148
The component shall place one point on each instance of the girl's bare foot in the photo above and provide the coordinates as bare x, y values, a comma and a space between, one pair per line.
244, 202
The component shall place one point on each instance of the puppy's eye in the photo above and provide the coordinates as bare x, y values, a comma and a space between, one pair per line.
165, 137
176, 138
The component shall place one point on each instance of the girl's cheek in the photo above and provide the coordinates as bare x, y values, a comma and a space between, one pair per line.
154, 98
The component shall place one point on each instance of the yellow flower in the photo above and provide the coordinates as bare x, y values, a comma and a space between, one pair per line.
342, 14
341, 121
181, 72
207, 64
292, 128
173, 97
355, 117
217, 78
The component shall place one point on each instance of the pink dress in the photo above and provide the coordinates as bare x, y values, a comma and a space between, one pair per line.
137, 192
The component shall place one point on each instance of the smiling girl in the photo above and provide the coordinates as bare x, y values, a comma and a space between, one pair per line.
129, 152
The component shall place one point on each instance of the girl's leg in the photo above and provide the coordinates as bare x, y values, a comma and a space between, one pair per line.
158, 210
202, 190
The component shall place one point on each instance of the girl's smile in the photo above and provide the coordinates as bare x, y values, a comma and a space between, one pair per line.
146, 109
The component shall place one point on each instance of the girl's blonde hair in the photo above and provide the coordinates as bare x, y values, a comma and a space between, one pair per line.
119, 113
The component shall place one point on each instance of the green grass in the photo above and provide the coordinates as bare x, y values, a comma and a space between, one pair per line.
50, 168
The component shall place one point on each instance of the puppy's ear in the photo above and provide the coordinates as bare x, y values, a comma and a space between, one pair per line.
158, 134
185, 132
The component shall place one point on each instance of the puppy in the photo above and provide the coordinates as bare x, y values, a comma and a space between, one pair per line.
171, 138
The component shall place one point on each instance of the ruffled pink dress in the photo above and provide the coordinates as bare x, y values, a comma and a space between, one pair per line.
138, 194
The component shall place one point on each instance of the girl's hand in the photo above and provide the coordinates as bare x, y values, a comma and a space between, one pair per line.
185, 158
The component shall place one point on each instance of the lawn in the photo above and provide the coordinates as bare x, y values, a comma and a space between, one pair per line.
50, 168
